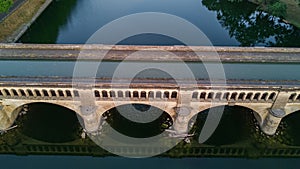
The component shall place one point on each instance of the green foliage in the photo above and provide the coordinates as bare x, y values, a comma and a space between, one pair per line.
251, 27
237, 0
274, 7
277, 9
5, 5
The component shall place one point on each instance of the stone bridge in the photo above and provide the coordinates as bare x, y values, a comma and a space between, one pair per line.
271, 101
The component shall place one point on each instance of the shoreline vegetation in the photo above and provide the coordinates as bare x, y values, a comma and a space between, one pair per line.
18, 20
5, 5
288, 10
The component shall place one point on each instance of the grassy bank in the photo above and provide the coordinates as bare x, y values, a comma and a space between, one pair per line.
293, 11
18, 18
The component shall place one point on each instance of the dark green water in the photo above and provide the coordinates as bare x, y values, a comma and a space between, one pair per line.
223, 22
43, 124
237, 127
62, 162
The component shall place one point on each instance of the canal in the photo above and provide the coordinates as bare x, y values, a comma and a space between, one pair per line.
224, 23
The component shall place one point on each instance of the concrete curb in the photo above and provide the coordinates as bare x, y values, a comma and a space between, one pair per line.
19, 32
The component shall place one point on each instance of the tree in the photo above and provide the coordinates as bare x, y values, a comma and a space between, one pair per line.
253, 27
277, 9
5, 5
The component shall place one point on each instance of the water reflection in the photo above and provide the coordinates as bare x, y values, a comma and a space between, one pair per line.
290, 127
233, 128
46, 28
251, 27
223, 22
78, 162
50, 123
138, 129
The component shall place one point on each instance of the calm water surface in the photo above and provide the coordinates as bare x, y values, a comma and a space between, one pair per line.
224, 23
248, 71
62, 162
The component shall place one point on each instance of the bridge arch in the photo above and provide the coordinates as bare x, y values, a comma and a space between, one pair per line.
128, 122
234, 125
167, 107
257, 111
11, 110
289, 129
49, 122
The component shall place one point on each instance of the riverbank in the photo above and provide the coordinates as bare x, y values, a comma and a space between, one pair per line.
293, 11
14, 25
16, 4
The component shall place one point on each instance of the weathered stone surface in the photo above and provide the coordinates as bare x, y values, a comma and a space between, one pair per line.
149, 53
260, 97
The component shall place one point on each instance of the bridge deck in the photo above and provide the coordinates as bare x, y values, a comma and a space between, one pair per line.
154, 53
145, 83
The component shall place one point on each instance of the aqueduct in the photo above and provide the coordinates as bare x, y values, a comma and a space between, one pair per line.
271, 101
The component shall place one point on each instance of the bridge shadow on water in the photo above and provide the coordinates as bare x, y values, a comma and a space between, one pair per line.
289, 128
234, 127
238, 126
139, 120
49, 123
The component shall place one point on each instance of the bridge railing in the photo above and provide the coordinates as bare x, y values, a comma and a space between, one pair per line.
254, 94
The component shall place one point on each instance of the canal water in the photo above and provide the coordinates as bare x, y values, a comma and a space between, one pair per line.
224, 23
77, 162
238, 127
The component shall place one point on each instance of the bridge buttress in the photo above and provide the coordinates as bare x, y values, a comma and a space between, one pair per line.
275, 113
8, 113
88, 111
183, 111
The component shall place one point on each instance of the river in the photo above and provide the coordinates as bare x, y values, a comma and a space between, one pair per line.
224, 23
62, 162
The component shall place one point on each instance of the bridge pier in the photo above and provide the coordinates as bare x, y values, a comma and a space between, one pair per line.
276, 113
90, 118
182, 120
8, 114
88, 111
272, 121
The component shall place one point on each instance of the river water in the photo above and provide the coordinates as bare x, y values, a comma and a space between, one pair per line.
224, 23
62, 162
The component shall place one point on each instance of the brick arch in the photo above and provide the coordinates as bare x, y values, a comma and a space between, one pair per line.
168, 108
18, 106
291, 109
257, 112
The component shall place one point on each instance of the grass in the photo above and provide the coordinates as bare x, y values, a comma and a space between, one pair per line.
293, 12
18, 18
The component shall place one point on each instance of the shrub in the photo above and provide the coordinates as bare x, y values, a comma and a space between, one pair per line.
5, 5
